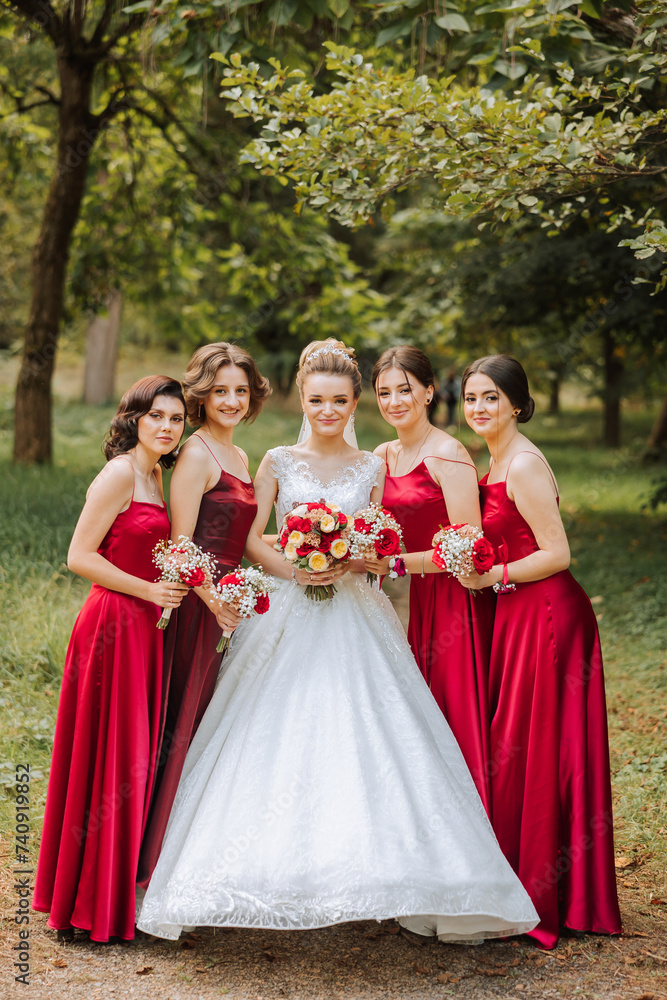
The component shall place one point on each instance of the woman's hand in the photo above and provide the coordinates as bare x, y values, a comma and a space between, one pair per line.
307, 578
378, 566
165, 594
476, 582
225, 615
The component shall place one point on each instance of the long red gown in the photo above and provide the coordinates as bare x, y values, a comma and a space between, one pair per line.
106, 744
192, 664
551, 788
449, 630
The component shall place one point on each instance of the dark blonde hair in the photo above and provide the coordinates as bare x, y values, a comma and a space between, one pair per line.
201, 372
137, 402
508, 375
407, 359
329, 357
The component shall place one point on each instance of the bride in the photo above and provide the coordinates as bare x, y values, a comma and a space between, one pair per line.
323, 784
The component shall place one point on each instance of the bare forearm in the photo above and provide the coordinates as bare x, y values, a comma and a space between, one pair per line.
95, 567
257, 551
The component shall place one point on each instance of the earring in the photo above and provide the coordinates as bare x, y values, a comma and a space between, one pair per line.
351, 422
516, 412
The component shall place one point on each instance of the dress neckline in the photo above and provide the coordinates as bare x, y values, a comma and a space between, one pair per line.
223, 472
339, 472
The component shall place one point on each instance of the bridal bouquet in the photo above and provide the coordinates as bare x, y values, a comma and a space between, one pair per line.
315, 536
182, 562
247, 592
376, 532
461, 549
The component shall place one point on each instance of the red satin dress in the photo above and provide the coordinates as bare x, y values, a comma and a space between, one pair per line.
449, 630
550, 786
192, 664
106, 744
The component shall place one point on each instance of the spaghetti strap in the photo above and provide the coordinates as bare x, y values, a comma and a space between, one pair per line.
455, 461
527, 452
211, 450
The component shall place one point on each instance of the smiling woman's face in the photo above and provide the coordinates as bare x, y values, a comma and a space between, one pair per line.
401, 397
228, 401
486, 407
328, 402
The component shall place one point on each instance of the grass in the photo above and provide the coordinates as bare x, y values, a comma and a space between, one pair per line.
616, 550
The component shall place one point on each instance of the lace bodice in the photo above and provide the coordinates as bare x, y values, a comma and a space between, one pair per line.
297, 483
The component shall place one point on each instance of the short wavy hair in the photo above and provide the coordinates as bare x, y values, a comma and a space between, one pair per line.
202, 369
137, 402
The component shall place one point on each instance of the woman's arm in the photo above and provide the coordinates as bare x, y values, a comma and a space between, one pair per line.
531, 487
108, 495
194, 473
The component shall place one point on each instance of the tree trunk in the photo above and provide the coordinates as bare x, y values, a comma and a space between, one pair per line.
658, 436
76, 135
102, 351
613, 387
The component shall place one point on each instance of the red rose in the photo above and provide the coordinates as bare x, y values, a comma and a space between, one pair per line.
483, 555
305, 549
231, 578
325, 543
317, 506
262, 604
387, 543
361, 526
342, 520
193, 577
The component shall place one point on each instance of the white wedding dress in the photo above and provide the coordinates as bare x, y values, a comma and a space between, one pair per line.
323, 784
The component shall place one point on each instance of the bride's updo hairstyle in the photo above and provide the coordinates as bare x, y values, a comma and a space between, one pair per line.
137, 402
329, 357
507, 375
201, 372
407, 359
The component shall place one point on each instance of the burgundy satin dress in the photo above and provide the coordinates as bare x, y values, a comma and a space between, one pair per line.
449, 630
192, 664
550, 787
106, 744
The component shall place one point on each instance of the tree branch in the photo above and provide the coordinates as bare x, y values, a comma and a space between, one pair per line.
19, 100
103, 23
39, 13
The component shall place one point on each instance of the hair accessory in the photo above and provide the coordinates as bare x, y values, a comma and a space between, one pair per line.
396, 567
505, 587
329, 349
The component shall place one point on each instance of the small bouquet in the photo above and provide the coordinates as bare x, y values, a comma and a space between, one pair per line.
182, 562
245, 590
376, 532
461, 549
315, 536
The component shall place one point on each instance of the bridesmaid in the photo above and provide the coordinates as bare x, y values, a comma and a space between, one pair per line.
551, 794
213, 502
108, 724
431, 482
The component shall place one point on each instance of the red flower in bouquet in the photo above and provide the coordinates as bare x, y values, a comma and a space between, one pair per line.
483, 555
320, 546
376, 533
462, 549
182, 562
245, 590
262, 604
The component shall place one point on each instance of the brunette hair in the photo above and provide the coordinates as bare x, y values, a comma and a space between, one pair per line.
408, 359
508, 375
202, 369
329, 357
136, 402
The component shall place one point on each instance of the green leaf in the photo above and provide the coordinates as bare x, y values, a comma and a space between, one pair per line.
452, 22
338, 7
591, 7
136, 7
394, 31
